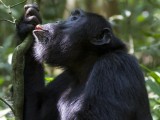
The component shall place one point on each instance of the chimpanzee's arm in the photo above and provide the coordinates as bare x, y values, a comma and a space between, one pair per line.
33, 71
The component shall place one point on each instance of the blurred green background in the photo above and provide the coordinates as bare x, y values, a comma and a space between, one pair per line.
136, 22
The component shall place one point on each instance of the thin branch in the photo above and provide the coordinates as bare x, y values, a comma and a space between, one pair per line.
5, 20
3, 4
10, 13
18, 4
154, 4
5, 102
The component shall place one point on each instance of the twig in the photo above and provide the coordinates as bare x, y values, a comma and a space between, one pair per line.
5, 20
3, 4
154, 4
18, 4
10, 13
5, 102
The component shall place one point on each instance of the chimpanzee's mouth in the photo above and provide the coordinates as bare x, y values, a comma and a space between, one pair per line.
38, 34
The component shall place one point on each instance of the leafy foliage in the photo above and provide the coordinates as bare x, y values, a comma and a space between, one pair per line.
153, 82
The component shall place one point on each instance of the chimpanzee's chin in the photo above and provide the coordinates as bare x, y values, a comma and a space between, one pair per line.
39, 51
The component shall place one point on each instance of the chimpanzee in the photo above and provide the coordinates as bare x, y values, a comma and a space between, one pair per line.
101, 81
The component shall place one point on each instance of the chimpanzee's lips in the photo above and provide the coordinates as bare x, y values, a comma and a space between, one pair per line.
38, 27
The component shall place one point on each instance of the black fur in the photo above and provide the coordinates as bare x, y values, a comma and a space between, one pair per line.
101, 80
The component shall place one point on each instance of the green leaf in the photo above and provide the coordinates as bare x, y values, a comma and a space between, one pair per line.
156, 76
140, 18
49, 79
154, 87
1, 80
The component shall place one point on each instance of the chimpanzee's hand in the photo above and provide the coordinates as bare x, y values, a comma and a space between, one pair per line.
29, 20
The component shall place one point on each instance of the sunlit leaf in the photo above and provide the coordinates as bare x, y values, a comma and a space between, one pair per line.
153, 74
154, 87
140, 18
49, 79
156, 76
1, 81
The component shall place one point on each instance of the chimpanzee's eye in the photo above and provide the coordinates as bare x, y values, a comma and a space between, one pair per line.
73, 18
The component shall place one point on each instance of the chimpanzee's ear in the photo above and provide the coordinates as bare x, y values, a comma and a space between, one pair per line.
104, 38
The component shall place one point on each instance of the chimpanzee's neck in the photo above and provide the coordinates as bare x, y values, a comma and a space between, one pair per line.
81, 69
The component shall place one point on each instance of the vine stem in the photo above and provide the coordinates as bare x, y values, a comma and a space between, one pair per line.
18, 64
5, 102
8, 7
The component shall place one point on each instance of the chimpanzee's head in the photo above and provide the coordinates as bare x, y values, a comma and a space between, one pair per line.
71, 40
